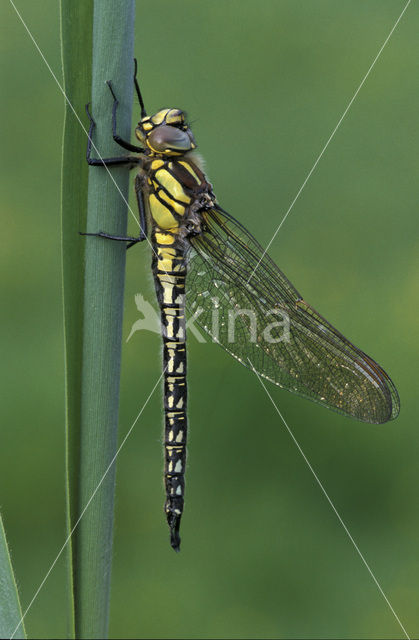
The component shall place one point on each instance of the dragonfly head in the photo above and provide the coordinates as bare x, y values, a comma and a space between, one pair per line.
166, 133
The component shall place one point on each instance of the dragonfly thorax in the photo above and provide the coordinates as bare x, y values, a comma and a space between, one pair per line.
165, 133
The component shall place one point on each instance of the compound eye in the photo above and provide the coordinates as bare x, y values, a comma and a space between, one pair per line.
168, 138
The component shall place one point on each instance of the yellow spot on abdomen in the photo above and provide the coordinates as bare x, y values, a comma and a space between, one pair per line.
164, 238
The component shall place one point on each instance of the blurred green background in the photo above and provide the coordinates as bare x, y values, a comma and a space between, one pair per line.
263, 554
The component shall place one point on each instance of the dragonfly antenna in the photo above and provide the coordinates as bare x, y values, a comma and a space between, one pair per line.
137, 88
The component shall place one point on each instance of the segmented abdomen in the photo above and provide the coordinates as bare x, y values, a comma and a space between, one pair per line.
169, 269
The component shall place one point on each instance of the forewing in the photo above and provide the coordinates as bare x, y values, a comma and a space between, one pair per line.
242, 299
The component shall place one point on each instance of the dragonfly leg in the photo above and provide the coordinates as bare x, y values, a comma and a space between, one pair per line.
108, 162
141, 207
116, 137
130, 240
137, 89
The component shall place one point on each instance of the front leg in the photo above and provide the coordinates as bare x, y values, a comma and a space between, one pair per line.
116, 137
108, 162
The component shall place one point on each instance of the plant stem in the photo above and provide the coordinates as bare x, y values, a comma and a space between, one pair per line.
76, 26
93, 432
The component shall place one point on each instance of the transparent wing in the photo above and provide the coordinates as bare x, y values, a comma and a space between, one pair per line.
242, 299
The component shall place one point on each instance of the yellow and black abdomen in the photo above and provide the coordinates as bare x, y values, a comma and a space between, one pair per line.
170, 193
169, 268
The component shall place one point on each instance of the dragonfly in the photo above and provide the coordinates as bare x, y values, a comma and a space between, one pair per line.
204, 261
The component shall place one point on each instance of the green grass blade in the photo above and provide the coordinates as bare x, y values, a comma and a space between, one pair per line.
10, 609
93, 306
76, 26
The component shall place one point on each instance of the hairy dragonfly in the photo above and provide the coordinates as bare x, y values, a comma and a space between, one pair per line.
206, 262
